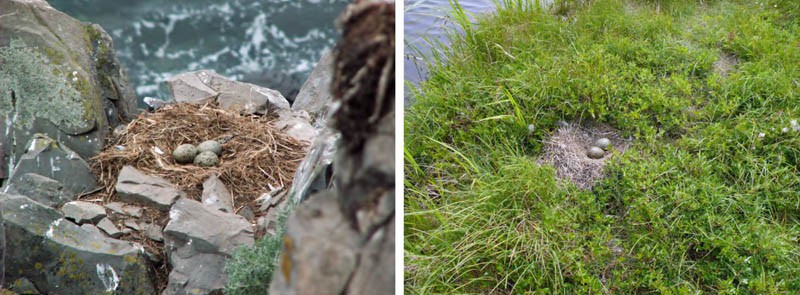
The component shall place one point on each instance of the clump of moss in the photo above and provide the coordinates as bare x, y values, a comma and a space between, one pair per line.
32, 87
250, 269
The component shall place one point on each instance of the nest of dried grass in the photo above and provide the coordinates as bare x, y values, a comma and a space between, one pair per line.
255, 154
566, 151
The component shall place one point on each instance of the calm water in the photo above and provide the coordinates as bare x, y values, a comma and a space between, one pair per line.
426, 21
274, 43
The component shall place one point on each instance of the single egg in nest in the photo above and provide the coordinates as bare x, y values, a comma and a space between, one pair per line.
206, 159
210, 146
184, 153
595, 152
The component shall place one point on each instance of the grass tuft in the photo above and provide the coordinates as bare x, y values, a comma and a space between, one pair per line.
706, 199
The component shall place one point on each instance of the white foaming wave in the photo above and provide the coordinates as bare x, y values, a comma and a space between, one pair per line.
149, 88
208, 59
250, 42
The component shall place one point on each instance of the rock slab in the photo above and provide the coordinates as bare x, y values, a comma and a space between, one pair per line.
206, 86
45, 190
137, 187
376, 266
125, 209
321, 247
109, 228
199, 239
81, 50
82, 212
296, 125
215, 194
45, 156
60, 257
315, 95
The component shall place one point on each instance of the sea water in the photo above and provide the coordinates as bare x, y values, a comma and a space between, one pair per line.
272, 43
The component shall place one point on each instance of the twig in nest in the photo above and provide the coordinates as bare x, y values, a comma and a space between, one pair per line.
250, 144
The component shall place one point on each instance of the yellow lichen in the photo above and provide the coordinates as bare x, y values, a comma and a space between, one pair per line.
286, 260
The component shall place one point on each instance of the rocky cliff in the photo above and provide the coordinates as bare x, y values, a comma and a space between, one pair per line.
342, 240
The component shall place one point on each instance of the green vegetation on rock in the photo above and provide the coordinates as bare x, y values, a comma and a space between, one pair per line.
32, 87
250, 269
705, 200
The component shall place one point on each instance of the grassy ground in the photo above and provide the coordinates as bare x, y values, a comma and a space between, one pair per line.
705, 200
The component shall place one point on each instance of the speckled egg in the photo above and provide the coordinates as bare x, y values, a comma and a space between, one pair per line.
206, 159
595, 152
210, 146
184, 153
603, 143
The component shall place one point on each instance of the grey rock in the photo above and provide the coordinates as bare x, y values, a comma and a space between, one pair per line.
191, 88
296, 124
47, 157
246, 98
132, 225
23, 286
288, 84
152, 257
198, 240
125, 209
83, 212
247, 213
372, 217
376, 266
315, 96
155, 103
91, 228
74, 47
109, 228
136, 187
184, 153
216, 195
59, 257
153, 231
2, 246
210, 146
206, 159
206, 86
85, 145
268, 224
45, 190
325, 249
375, 151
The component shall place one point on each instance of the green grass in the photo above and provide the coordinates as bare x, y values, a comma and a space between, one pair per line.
250, 268
706, 200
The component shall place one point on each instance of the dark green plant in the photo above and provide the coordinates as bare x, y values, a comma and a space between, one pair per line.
250, 269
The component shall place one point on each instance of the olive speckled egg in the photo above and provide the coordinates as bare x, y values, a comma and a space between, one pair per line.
210, 146
184, 153
603, 143
206, 159
595, 152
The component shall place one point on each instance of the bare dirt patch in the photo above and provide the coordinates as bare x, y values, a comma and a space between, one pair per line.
566, 151
725, 64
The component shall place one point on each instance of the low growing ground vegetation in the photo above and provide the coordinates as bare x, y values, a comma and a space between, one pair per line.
706, 199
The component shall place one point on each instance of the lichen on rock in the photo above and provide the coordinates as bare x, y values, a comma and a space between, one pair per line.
32, 87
